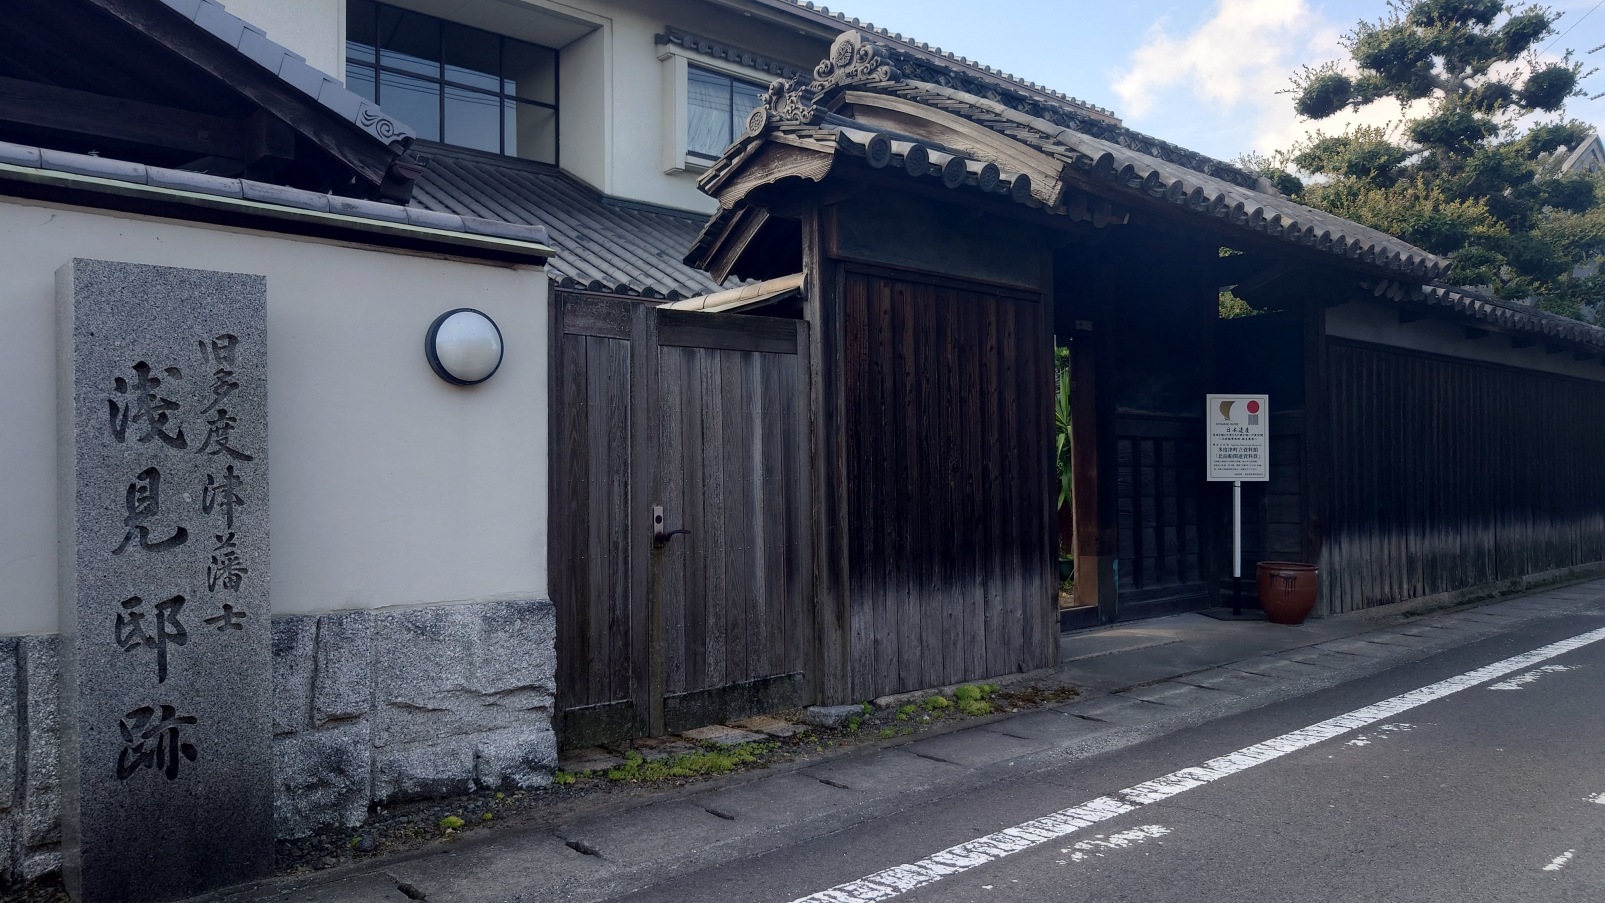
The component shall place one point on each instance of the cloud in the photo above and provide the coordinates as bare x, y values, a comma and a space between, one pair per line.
1233, 66
1230, 58
1221, 79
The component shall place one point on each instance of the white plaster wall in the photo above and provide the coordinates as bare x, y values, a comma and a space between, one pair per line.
389, 486
1379, 324
611, 81
316, 29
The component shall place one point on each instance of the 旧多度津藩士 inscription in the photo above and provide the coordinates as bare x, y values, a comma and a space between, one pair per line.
165, 605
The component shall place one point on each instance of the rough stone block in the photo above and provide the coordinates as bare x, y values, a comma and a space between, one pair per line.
452, 670
345, 667
10, 686
321, 779
40, 822
8, 840
294, 666
831, 715
423, 771
37, 864
166, 635
516, 759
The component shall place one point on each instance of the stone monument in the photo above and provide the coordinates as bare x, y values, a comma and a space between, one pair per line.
166, 641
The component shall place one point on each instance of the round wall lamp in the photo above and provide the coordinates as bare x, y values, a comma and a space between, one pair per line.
464, 346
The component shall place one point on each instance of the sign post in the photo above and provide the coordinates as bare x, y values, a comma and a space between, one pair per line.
1238, 442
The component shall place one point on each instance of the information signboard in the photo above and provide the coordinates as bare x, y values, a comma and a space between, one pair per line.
1238, 438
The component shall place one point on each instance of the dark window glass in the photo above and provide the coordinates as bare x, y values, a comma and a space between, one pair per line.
717, 106
473, 57
409, 41
453, 83
362, 31
413, 100
473, 119
360, 80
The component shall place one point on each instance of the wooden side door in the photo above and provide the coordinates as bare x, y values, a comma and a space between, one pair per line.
666, 421
733, 598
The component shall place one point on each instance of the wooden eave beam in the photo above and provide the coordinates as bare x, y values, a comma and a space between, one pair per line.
115, 119
342, 139
771, 164
734, 242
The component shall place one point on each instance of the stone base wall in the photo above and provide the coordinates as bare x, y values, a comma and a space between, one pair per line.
370, 708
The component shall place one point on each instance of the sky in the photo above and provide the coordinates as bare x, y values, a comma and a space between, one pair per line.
1203, 74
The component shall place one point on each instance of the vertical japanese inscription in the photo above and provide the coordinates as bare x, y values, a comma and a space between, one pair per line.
168, 690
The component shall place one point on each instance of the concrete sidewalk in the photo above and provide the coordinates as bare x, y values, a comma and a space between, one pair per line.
1138, 681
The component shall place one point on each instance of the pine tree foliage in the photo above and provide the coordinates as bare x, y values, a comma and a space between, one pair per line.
1464, 178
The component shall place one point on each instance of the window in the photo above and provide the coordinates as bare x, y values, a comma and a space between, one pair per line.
454, 84
717, 109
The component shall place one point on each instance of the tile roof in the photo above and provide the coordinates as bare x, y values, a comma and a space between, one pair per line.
111, 170
293, 69
961, 66
1475, 305
1137, 169
602, 244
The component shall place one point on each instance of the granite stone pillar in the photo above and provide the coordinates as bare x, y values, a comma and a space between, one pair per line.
167, 784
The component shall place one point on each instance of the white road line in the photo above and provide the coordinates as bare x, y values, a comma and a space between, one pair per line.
1520, 680
1086, 849
897, 880
1559, 862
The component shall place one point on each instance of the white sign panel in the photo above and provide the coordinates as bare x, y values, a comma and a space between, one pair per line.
1239, 437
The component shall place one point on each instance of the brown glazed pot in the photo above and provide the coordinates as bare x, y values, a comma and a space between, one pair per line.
1287, 590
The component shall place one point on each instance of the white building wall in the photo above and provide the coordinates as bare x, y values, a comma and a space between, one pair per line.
611, 106
389, 486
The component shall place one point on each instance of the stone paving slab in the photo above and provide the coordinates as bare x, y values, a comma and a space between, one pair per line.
782, 799
370, 888
1051, 724
1176, 694
1330, 659
1117, 710
1227, 680
656, 749
589, 759
721, 734
771, 726
543, 860
1360, 649
887, 772
638, 834
977, 748
1398, 638
1281, 668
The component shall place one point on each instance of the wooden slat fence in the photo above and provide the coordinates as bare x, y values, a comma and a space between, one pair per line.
1450, 474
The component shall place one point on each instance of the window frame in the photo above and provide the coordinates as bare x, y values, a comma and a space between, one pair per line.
677, 155
377, 68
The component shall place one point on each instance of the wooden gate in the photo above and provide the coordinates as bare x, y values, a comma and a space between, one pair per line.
702, 418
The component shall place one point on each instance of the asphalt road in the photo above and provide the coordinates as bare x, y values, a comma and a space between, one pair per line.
1476, 788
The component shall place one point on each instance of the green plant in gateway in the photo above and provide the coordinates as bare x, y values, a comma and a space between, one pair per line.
451, 823
561, 779
937, 703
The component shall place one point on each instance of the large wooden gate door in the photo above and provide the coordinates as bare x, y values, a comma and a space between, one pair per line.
700, 419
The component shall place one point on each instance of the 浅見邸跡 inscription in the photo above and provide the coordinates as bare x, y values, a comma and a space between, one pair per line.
167, 688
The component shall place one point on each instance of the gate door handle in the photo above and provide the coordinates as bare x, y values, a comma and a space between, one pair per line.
661, 536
